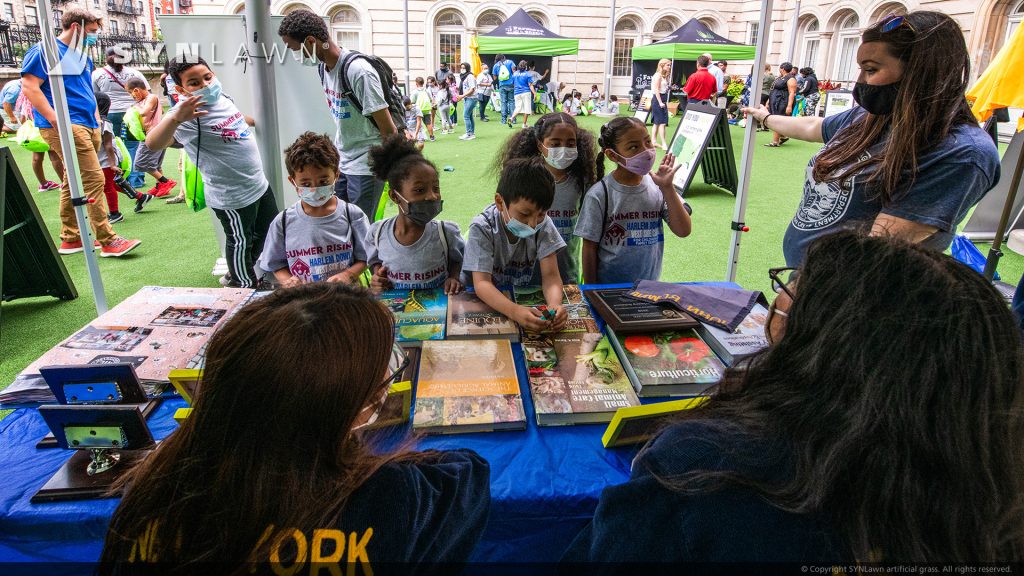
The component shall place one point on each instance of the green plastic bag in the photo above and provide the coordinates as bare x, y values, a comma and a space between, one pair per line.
133, 120
192, 180
124, 158
28, 137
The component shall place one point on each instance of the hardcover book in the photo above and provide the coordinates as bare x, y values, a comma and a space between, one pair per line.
673, 363
746, 341
625, 315
579, 317
575, 378
398, 405
419, 314
469, 318
467, 386
637, 424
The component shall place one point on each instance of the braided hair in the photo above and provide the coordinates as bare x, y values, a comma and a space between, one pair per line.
610, 134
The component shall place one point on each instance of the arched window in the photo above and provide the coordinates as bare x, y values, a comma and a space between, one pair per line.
347, 28
810, 42
450, 28
489, 20
887, 9
1016, 16
664, 27
847, 41
539, 18
627, 33
710, 23
240, 9
290, 8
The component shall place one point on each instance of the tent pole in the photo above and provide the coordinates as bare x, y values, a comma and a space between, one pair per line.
405, 15
261, 49
56, 68
749, 141
575, 70
609, 55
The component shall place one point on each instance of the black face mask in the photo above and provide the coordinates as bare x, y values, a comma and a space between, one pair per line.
421, 212
876, 99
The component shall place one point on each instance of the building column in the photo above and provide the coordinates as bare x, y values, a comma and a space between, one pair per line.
827, 52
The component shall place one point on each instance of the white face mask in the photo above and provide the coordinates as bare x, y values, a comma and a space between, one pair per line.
376, 411
316, 196
561, 157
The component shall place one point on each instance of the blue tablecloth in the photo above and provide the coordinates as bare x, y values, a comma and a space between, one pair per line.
545, 483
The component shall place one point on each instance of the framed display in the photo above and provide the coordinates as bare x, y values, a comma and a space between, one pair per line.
94, 384
838, 101
690, 139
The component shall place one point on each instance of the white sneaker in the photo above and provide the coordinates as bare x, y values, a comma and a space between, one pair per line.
471, 137
464, 137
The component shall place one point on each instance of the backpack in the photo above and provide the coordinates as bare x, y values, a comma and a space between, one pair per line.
503, 72
391, 94
133, 123
124, 158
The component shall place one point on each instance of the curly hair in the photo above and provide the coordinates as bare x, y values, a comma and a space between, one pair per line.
524, 144
392, 160
302, 24
310, 149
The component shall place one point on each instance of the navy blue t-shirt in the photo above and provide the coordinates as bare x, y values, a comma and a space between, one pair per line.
642, 521
951, 178
77, 84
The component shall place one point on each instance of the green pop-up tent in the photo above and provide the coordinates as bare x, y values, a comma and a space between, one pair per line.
520, 34
689, 42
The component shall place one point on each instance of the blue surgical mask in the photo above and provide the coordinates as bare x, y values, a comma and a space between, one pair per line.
518, 229
91, 38
210, 93
316, 196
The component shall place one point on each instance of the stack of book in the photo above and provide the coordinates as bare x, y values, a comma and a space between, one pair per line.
747, 340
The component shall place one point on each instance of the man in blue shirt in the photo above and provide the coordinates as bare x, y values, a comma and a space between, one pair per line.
79, 28
522, 82
503, 68
9, 97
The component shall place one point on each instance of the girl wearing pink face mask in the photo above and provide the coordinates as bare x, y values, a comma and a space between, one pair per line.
621, 222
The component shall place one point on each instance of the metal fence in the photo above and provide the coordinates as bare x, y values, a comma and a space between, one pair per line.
16, 40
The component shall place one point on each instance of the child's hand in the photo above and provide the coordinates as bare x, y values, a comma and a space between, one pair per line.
666, 172
558, 322
379, 282
530, 319
292, 282
188, 109
342, 277
452, 286
116, 170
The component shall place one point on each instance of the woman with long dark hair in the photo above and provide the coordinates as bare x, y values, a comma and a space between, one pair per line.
910, 160
883, 425
271, 466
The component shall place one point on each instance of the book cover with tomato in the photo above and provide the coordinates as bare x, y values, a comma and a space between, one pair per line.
575, 378
671, 363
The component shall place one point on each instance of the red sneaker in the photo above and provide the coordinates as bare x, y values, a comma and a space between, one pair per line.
74, 247
119, 247
164, 188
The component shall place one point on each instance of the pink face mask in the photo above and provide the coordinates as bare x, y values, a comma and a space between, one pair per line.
640, 163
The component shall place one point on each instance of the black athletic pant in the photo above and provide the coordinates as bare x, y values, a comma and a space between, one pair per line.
246, 230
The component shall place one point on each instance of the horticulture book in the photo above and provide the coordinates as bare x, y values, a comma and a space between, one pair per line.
419, 314
575, 378
746, 341
467, 386
625, 315
579, 317
469, 318
672, 363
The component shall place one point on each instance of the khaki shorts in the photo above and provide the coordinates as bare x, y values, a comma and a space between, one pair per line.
524, 103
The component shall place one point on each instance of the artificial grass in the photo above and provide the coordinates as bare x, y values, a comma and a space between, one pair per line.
179, 247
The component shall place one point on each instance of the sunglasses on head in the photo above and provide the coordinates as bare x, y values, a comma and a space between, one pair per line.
892, 22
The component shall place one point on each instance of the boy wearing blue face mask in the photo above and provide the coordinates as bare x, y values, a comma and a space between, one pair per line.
510, 237
412, 250
219, 140
319, 238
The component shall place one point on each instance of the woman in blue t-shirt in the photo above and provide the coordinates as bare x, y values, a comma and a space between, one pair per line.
271, 469
882, 425
911, 160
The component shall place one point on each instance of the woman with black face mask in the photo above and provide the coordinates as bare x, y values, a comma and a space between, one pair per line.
910, 159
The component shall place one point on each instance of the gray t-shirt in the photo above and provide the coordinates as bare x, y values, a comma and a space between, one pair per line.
564, 213
315, 248
488, 249
627, 222
226, 154
952, 177
354, 133
101, 154
103, 80
421, 265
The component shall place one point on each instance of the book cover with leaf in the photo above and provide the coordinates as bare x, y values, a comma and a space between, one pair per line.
470, 318
419, 314
746, 341
467, 386
575, 378
671, 363
628, 316
579, 317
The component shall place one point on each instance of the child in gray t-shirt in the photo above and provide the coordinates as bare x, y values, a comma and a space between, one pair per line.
509, 237
412, 250
319, 237
622, 215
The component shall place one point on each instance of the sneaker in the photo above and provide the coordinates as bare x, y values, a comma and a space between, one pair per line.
159, 192
510, 123
225, 280
166, 187
464, 137
48, 185
119, 247
115, 217
432, 139
471, 137
141, 200
485, 119
74, 247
